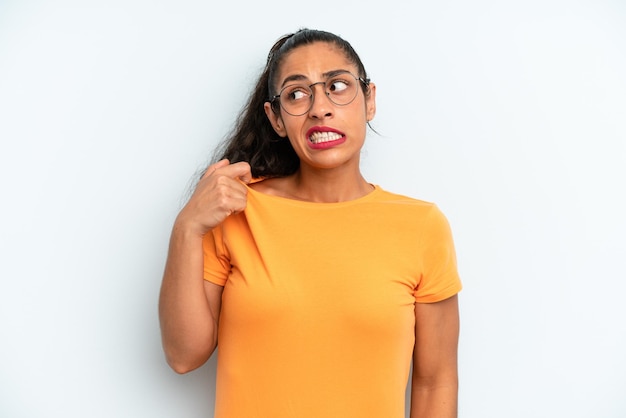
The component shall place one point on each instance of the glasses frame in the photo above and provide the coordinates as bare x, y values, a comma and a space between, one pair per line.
273, 99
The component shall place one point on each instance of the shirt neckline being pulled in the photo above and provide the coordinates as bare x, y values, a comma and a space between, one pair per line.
318, 205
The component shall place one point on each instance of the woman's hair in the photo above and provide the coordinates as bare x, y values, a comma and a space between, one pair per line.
253, 138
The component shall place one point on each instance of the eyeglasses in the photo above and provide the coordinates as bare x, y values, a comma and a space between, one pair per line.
297, 99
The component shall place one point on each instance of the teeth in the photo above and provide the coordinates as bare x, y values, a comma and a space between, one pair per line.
319, 137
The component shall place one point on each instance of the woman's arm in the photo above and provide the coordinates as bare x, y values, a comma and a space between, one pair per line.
189, 306
434, 391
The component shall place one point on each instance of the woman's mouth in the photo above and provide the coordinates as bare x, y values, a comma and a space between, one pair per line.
322, 137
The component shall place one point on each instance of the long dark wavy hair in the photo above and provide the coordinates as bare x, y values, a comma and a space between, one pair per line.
253, 138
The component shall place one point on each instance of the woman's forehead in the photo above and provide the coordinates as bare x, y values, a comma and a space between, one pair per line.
313, 61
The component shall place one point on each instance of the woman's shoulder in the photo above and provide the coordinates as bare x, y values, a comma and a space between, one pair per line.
391, 197
411, 210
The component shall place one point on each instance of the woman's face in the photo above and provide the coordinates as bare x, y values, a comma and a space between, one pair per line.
328, 135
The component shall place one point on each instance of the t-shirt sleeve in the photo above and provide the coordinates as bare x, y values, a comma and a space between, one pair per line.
440, 278
216, 257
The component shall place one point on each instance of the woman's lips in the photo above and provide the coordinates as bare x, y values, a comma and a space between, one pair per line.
323, 137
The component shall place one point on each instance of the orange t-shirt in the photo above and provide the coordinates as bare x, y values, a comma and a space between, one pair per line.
317, 314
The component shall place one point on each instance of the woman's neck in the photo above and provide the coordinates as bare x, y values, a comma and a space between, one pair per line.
317, 185
328, 187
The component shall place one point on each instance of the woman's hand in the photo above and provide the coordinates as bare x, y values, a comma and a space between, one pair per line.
220, 192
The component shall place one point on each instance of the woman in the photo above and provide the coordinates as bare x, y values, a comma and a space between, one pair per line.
320, 287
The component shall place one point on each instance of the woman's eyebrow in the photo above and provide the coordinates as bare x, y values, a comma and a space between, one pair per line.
300, 77
294, 77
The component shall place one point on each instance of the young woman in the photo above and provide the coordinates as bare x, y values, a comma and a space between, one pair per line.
320, 287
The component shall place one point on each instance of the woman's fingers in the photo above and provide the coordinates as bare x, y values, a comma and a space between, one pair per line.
221, 192
240, 170
213, 167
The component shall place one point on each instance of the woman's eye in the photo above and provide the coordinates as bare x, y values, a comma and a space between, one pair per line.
337, 86
298, 94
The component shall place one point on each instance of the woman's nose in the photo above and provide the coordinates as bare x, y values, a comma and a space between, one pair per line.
321, 106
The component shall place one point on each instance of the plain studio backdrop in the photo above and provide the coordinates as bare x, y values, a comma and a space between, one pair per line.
510, 115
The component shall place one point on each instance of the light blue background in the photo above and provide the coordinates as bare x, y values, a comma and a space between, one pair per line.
511, 115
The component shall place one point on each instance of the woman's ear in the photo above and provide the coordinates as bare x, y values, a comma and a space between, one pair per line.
370, 102
275, 120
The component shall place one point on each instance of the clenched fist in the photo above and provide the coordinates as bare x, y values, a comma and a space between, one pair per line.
220, 192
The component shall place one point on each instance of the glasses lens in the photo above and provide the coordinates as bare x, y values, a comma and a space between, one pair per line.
296, 99
342, 88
